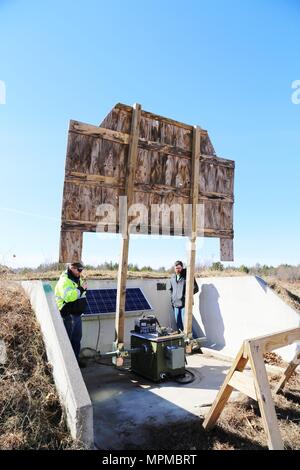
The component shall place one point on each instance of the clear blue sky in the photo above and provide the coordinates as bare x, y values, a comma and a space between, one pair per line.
227, 66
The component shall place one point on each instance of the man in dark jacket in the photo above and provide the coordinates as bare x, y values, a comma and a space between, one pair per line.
177, 291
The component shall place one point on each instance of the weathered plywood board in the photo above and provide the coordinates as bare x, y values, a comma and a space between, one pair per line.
95, 174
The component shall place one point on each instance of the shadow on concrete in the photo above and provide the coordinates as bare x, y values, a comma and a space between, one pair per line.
129, 410
211, 316
262, 283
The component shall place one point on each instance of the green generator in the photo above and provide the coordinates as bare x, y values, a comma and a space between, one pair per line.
158, 357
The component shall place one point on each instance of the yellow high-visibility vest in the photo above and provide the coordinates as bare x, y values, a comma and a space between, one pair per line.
66, 290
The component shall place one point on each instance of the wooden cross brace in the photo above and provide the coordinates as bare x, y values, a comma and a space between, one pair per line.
256, 385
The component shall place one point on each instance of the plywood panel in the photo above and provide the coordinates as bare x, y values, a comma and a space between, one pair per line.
96, 164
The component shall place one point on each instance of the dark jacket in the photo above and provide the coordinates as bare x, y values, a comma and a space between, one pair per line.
177, 289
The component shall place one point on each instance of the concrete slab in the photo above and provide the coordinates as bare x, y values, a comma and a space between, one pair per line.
127, 408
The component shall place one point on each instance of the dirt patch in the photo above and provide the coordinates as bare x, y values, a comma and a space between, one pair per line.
30, 413
274, 359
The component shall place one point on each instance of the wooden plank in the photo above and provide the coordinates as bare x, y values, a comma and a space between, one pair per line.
75, 176
208, 232
190, 274
243, 383
264, 397
215, 197
70, 246
93, 131
156, 117
226, 249
84, 226
87, 226
277, 340
183, 153
164, 148
214, 160
224, 393
288, 372
123, 264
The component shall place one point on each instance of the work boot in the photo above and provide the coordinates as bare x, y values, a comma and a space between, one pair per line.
81, 363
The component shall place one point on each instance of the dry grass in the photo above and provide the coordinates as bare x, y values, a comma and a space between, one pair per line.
238, 428
244, 419
30, 413
7, 274
289, 291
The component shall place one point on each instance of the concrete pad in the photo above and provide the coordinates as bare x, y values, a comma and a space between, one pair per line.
128, 408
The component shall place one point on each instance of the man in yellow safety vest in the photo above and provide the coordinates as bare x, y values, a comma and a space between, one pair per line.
70, 296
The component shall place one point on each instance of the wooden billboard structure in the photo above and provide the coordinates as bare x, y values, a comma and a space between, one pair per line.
164, 166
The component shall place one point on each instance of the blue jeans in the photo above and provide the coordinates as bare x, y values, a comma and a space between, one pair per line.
73, 326
179, 317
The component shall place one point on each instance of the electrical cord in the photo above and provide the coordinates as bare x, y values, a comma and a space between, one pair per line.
98, 337
187, 378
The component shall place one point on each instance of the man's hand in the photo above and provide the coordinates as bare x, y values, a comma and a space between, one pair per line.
83, 288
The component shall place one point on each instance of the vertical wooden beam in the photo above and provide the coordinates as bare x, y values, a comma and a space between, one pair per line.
194, 196
226, 249
288, 372
70, 248
123, 263
264, 397
225, 391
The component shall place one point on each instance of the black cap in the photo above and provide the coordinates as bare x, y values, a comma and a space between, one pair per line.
178, 262
78, 265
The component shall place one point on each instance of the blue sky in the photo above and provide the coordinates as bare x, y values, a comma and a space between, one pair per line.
227, 66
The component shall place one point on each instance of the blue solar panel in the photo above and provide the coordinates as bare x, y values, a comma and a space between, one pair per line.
104, 301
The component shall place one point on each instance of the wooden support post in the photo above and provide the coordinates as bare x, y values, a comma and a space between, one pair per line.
123, 264
70, 249
264, 397
225, 391
226, 249
288, 372
194, 196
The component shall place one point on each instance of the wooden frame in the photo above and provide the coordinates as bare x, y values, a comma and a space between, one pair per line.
257, 385
95, 174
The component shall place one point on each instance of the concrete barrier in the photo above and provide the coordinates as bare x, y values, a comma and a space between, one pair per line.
69, 383
232, 309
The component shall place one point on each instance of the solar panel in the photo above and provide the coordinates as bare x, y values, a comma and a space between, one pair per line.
105, 300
